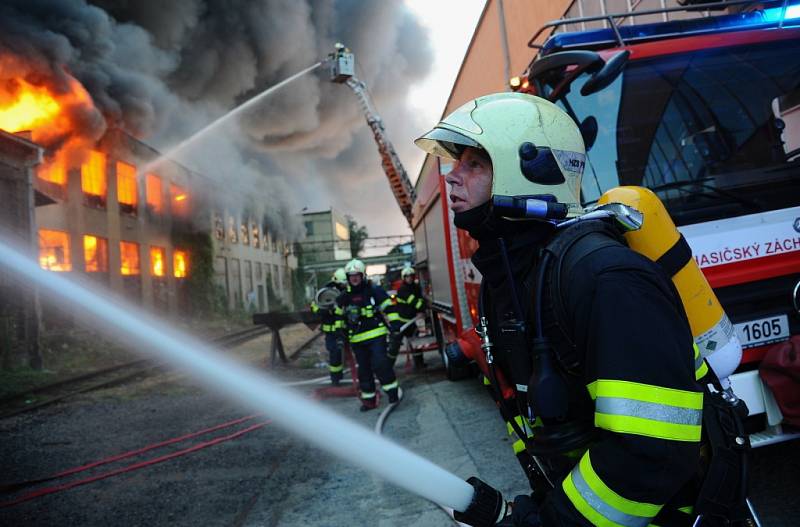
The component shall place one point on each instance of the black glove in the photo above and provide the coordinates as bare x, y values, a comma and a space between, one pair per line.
525, 512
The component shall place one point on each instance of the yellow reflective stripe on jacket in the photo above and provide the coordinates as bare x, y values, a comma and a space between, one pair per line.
651, 411
700, 366
371, 334
338, 311
410, 298
600, 504
314, 307
329, 328
394, 317
335, 369
419, 304
386, 303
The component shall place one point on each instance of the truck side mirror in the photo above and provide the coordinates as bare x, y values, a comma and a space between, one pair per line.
607, 74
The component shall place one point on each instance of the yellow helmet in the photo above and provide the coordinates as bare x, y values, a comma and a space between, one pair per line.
355, 266
407, 271
339, 276
534, 146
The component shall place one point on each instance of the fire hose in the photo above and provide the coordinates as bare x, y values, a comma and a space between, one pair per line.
129, 468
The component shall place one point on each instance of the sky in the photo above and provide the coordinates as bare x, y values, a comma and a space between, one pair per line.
450, 25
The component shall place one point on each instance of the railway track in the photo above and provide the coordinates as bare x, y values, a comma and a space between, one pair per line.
108, 377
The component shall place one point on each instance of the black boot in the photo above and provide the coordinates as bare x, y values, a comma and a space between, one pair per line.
395, 394
336, 377
369, 404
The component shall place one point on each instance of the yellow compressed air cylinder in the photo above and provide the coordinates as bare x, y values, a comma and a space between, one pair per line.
712, 329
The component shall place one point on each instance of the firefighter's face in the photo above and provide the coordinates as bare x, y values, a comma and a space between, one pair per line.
355, 278
470, 180
409, 278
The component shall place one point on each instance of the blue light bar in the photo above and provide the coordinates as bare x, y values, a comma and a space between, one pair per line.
773, 14
605, 38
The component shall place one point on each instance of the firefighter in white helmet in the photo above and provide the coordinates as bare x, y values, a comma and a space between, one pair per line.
363, 305
409, 305
591, 358
333, 326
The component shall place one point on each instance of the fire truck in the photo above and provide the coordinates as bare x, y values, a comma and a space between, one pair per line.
704, 111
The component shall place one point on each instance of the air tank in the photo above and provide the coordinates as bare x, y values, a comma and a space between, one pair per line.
659, 240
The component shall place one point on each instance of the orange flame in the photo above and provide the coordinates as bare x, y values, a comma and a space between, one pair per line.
157, 261
26, 107
180, 263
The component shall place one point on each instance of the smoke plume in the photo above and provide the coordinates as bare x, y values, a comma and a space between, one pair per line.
161, 70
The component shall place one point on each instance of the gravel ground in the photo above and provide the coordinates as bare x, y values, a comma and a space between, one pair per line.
267, 477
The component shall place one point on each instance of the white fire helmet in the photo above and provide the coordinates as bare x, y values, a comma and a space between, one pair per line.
339, 276
407, 271
534, 146
355, 266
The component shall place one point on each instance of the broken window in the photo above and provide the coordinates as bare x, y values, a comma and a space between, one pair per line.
93, 179
179, 200
180, 263
245, 234
255, 237
95, 254
232, 236
129, 258
54, 252
127, 193
153, 190
157, 257
219, 227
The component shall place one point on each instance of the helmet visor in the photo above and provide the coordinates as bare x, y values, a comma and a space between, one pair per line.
445, 143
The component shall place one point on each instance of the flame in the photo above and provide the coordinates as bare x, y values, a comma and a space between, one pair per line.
127, 192
180, 263
93, 174
157, 261
129, 258
47, 113
153, 192
26, 107
95, 254
54, 252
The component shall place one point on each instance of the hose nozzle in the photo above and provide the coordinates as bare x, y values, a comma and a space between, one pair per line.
487, 507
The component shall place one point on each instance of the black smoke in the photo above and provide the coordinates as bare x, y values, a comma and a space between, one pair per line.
161, 70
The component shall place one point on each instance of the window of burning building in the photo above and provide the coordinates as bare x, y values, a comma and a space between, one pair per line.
158, 261
180, 263
93, 180
255, 237
244, 233
127, 193
219, 227
54, 252
129, 259
179, 201
154, 194
232, 235
95, 254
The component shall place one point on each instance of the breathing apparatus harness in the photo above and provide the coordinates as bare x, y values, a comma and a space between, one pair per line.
542, 371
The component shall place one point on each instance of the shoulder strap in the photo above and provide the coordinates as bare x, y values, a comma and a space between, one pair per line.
568, 247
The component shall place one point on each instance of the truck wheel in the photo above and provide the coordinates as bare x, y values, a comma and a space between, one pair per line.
455, 372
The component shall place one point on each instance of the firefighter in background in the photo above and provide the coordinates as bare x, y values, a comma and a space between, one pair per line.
409, 305
363, 305
585, 343
333, 327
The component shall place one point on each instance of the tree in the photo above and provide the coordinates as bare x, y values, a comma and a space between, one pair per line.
358, 235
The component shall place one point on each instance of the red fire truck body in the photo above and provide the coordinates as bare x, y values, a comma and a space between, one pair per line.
706, 113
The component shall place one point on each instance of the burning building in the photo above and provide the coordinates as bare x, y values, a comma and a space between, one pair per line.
136, 233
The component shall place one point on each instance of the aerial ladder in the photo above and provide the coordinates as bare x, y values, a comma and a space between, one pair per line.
342, 68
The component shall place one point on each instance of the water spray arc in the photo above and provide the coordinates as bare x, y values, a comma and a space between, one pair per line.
252, 389
175, 150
